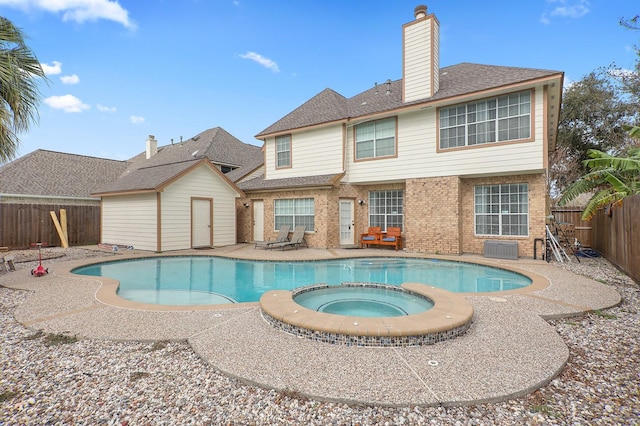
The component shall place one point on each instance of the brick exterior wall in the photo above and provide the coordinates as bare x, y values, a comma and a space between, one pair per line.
438, 213
432, 215
327, 216
537, 212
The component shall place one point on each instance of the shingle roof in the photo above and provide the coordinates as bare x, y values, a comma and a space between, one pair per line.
324, 107
455, 80
147, 178
260, 183
216, 144
51, 173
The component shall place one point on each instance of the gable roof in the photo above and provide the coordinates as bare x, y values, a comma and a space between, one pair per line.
455, 80
216, 144
156, 177
325, 107
52, 173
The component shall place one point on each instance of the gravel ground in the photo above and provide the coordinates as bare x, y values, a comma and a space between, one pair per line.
52, 379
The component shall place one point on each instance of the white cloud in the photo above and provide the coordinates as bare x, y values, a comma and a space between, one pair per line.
573, 9
265, 62
70, 79
136, 119
77, 10
54, 69
103, 108
67, 103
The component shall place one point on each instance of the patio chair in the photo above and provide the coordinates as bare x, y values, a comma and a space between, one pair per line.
371, 237
297, 239
393, 237
283, 235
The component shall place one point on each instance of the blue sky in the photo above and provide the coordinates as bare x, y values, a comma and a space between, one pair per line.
121, 71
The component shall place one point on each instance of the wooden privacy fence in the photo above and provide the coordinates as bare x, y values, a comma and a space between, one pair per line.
572, 215
616, 234
24, 224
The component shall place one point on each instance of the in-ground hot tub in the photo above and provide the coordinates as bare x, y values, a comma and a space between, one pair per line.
369, 300
450, 315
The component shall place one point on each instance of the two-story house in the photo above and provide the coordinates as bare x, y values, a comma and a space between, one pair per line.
454, 156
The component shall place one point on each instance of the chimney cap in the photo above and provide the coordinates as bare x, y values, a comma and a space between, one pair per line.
151, 137
420, 11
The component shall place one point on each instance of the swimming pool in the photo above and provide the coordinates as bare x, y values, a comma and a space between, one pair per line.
198, 280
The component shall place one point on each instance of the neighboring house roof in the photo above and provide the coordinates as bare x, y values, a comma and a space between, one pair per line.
156, 177
57, 174
260, 184
216, 144
455, 80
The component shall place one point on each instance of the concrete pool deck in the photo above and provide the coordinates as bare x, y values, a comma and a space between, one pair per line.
509, 350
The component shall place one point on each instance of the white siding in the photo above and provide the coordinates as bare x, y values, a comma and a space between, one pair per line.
130, 220
176, 209
313, 152
417, 155
418, 64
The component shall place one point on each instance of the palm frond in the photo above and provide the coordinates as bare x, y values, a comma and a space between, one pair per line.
600, 200
602, 160
633, 131
585, 184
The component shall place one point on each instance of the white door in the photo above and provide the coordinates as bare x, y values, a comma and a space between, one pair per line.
201, 235
258, 220
346, 223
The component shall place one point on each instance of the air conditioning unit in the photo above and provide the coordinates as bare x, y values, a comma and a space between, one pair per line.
501, 249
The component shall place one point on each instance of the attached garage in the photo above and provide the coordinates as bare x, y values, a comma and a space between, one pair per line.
170, 207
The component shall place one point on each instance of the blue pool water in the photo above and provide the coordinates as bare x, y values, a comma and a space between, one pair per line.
198, 280
363, 301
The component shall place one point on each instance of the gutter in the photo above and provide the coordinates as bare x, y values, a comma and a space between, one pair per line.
47, 197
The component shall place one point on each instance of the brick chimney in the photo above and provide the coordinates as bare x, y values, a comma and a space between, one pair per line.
420, 56
152, 146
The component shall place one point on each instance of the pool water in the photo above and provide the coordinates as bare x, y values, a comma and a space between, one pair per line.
197, 280
362, 301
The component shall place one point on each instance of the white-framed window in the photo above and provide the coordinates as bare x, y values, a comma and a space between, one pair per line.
499, 119
502, 209
283, 151
294, 212
376, 138
386, 208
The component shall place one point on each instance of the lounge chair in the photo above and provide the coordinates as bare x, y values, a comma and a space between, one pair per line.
371, 237
297, 239
393, 237
283, 235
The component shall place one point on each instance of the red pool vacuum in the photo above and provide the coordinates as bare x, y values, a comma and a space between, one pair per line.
39, 270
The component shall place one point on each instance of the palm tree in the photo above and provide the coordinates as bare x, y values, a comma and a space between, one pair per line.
612, 178
19, 94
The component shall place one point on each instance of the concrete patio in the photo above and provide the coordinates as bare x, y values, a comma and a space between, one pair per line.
509, 350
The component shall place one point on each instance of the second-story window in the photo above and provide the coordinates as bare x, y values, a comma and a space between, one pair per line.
283, 151
500, 119
376, 139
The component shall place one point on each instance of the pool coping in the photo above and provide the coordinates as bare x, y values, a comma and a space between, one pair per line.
449, 317
509, 350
